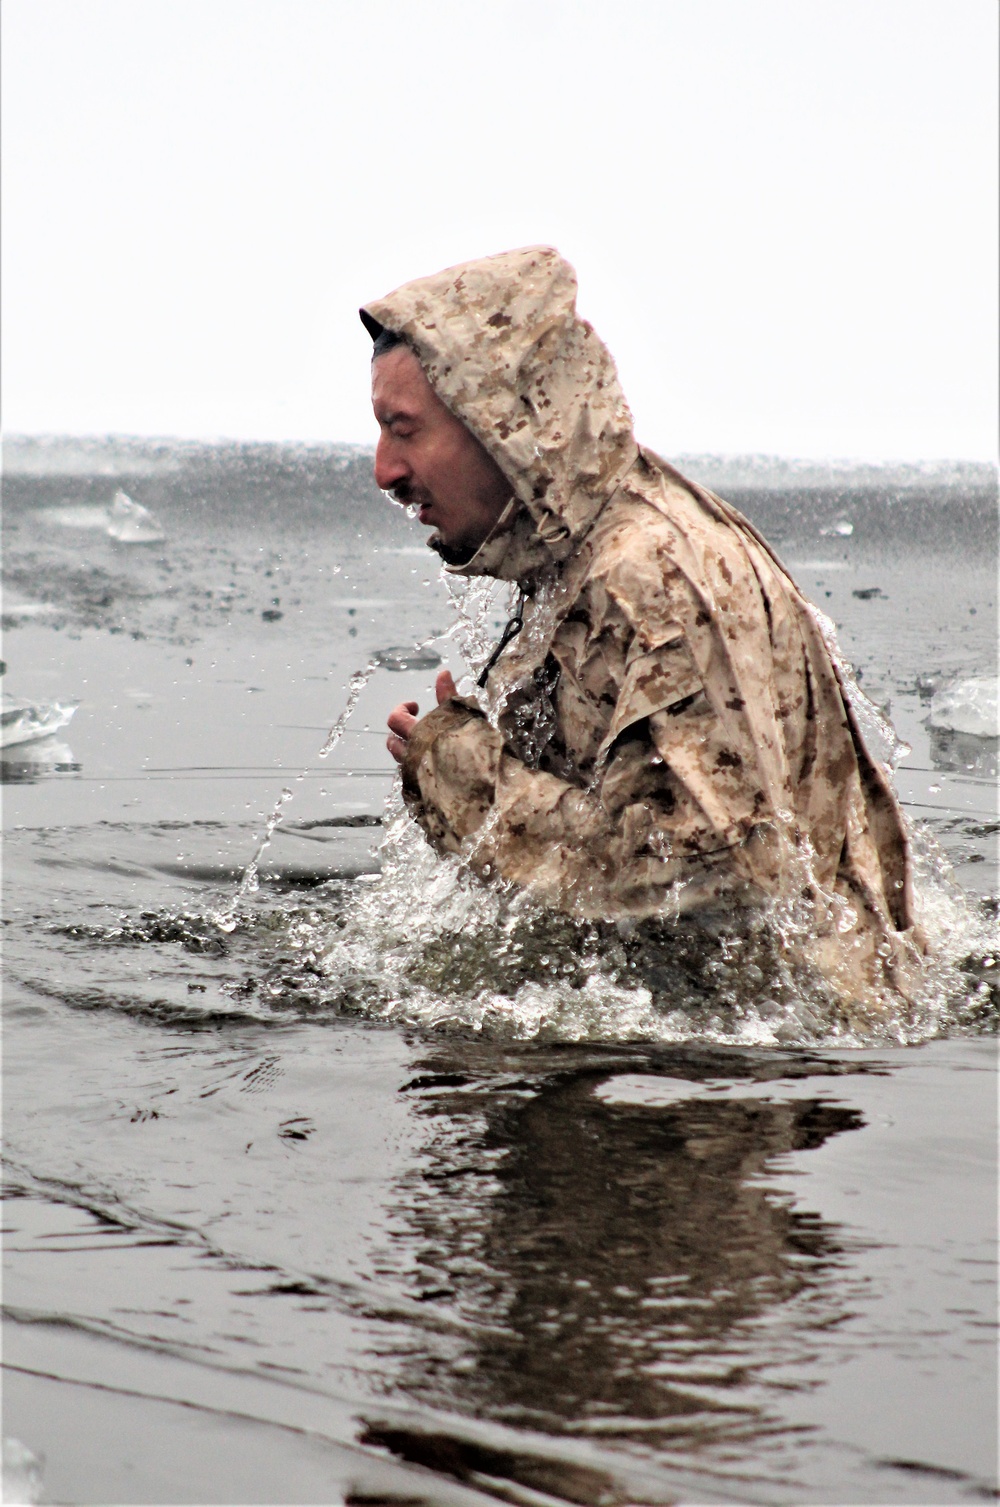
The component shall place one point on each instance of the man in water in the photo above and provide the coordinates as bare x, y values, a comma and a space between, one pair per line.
664, 730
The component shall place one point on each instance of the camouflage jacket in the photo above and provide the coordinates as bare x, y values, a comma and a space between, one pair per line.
670, 726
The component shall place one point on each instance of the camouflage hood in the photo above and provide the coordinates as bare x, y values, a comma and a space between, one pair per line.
505, 350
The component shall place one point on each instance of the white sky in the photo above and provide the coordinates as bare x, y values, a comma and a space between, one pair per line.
782, 212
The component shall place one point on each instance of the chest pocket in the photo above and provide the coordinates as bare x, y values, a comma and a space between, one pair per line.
665, 679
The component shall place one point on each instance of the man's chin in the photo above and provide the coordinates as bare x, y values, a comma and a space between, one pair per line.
451, 554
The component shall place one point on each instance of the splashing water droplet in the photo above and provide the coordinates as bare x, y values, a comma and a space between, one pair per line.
249, 882
355, 686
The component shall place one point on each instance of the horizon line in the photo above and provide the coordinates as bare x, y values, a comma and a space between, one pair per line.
111, 435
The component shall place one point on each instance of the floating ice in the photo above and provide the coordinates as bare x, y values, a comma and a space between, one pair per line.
843, 528
130, 523
22, 1473
28, 612
30, 721
403, 658
88, 515
970, 706
929, 682
127, 521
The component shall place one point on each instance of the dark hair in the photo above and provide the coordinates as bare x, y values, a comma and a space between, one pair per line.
386, 340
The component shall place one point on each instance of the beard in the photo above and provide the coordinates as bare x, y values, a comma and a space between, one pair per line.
451, 554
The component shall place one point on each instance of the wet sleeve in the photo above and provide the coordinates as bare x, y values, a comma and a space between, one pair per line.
634, 843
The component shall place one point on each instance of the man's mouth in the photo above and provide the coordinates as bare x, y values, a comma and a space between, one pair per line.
408, 497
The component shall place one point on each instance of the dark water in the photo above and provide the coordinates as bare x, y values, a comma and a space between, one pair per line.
376, 1189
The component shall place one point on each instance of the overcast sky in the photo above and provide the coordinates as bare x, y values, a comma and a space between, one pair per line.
782, 212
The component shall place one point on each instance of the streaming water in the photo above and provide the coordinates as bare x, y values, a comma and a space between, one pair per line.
469, 628
250, 878
340, 1176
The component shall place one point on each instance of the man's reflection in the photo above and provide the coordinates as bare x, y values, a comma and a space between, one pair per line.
616, 1253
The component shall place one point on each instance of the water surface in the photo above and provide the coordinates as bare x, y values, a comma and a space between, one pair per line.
367, 1189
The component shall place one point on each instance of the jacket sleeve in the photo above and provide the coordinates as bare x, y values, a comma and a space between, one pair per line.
671, 820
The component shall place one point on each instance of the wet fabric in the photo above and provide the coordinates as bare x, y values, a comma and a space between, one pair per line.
669, 730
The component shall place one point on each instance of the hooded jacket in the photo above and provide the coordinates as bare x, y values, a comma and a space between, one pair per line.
670, 727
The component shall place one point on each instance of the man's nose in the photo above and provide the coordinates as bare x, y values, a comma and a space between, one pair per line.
390, 468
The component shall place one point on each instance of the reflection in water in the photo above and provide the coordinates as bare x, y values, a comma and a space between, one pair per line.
27, 762
616, 1255
954, 751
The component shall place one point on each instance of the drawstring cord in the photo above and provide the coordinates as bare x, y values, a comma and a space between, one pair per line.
513, 628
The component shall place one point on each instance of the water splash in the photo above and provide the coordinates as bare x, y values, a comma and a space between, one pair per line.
470, 629
427, 944
249, 882
355, 686
476, 601
226, 917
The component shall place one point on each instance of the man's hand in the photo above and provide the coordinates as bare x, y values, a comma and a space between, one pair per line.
403, 718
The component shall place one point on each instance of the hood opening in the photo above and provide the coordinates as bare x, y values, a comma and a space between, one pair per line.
502, 345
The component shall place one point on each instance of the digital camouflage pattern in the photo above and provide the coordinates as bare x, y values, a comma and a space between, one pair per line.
670, 729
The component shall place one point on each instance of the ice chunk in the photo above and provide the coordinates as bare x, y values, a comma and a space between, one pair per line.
28, 612
30, 721
969, 706
399, 658
843, 528
22, 1473
130, 523
87, 515
929, 682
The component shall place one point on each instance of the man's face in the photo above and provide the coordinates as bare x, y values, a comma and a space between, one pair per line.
427, 457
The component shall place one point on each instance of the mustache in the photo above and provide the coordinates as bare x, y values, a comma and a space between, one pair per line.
408, 495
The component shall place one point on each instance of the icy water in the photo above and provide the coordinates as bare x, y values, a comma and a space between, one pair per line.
354, 1184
